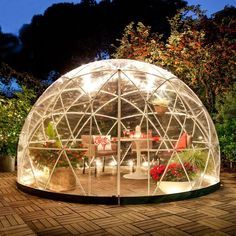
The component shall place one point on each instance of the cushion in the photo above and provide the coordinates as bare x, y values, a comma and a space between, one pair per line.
103, 142
182, 143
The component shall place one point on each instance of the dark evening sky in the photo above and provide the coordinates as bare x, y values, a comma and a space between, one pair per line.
15, 13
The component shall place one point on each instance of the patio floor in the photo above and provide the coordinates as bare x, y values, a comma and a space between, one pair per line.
23, 214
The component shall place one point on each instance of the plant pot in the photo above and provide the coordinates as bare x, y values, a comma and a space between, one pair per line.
7, 163
169, 187
62, 180
160, 109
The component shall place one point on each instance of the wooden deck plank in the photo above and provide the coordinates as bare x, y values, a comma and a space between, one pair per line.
20, 230
23, 214
216, 223
173, 220
171, 231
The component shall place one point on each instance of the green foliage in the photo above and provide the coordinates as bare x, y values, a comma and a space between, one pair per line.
226, 124
50, 131
196, 158
226, 105
7, 74
200, 51
203, 59
227, 139
46, 154
13, 112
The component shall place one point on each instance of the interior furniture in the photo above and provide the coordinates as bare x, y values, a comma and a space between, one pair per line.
93, 151
138, 145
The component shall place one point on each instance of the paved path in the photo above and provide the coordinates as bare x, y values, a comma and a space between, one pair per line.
23, 214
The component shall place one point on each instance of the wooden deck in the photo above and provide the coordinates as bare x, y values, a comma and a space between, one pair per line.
23, 214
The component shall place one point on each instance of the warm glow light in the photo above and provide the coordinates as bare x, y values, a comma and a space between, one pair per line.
98, 163
210, 179
149, 86
177, 190
40, 175
113, 163
130, 163
169, 187
26, 179
161, 93
46, 171
137, 135
90, 85
163, 90
145, 164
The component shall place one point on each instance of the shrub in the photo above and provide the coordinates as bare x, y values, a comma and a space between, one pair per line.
12, 116
226, 124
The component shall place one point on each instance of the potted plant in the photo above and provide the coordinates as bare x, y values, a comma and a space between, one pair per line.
9, 130
196, 158
160, 105
46, 155
175, 179
7, 156
194, 162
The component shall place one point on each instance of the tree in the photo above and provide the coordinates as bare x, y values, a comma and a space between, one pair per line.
8, 75
13, 112
9, 44
226, 124
68, 34
207, 65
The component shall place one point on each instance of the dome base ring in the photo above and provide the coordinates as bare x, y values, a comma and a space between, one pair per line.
114, 200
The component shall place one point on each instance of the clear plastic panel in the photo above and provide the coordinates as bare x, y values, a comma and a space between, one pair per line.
118, 128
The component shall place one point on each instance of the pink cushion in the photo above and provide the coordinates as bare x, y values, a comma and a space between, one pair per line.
103, 142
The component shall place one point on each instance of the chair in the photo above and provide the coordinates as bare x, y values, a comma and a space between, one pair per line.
93, 152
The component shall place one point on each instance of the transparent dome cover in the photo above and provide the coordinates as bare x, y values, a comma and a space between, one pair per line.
118, 128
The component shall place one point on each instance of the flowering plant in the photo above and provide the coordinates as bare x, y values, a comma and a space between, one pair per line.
50, 152
174, 172
46, 154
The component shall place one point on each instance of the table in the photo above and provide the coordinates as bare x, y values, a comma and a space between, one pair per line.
138, 174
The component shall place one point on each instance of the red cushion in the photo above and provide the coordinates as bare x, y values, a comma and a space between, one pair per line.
182, 143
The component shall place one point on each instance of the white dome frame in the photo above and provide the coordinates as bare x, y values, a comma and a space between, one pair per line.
116, 93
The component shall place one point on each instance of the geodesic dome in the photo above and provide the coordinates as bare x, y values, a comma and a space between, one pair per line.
118, 128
